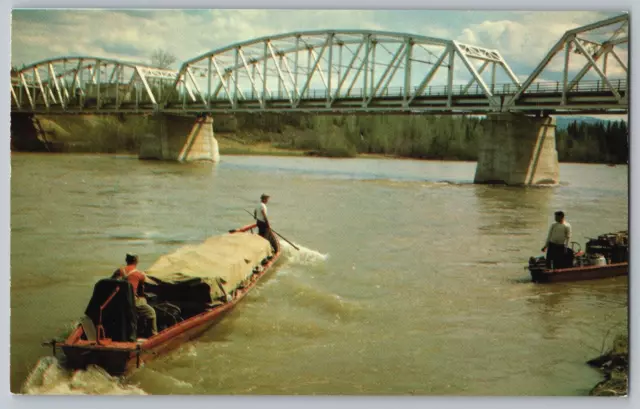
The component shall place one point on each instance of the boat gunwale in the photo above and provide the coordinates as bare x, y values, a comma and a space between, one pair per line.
579, 273
551, 271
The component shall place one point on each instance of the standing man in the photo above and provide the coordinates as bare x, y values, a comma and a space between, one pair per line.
557, 242
264, 227
136, 278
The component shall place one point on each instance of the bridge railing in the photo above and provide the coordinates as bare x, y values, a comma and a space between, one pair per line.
137, 97
547, 87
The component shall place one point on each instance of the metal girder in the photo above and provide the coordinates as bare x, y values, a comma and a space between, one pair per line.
280, 75
246, 67
222, 79
15, 97
473, 71
346, 74
315, 55
142, 78
398, 54
479, 53
310, 75
27, 90
279, 58
591, 51
66, 82
593, 65
42, 90
52, 76
365, 58
195, 84
447, 51
622, 64
344, 70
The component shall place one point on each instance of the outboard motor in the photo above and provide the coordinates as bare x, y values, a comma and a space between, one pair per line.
537, 263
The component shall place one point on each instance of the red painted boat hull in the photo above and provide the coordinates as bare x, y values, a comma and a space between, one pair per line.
119, 358
579, 273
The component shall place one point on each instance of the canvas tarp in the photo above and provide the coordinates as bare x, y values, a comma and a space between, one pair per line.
231, 257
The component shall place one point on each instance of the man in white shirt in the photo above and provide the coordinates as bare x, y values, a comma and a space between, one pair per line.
264, 227
557, 242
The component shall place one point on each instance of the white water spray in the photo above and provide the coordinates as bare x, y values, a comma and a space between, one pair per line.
305, 256
48, 377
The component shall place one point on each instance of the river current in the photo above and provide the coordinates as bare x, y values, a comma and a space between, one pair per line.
410, 278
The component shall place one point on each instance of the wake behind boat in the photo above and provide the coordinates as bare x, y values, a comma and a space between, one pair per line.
190, 290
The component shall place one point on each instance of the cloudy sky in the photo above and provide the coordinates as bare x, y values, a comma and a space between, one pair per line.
523, 38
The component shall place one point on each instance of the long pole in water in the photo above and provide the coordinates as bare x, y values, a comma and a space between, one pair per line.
281, 236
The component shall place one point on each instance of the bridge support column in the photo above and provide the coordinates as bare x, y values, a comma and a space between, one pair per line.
518, 150
178, 138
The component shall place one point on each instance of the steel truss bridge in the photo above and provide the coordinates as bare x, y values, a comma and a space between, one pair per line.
341, 71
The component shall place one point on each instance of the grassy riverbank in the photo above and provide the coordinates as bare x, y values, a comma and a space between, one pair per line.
615, 366
409, 136
229, 145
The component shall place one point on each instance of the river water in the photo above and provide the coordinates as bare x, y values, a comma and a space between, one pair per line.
410, 278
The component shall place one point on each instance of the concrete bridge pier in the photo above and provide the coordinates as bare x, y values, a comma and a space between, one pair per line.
178, 138
518, 150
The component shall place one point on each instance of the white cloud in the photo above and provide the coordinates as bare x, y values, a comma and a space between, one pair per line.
527, 37
184, 34
523, 38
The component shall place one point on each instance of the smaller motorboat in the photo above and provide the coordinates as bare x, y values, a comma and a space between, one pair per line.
605, 256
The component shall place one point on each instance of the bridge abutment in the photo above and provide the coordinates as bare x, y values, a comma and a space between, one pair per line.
178, 138
518, 150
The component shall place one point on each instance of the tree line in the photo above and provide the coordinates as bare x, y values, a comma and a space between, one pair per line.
410, 136
415, 136
599, 142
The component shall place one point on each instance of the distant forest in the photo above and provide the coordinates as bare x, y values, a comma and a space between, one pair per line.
598, 142
414, 136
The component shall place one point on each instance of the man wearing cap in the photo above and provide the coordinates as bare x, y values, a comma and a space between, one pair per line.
557, 242
264, 227
136, 278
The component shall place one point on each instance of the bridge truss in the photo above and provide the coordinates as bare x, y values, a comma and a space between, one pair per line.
595, 49
77, 84
342, 71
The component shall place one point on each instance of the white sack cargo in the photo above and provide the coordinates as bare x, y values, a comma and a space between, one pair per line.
230, 257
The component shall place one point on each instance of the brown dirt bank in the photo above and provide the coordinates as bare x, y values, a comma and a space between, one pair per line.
615, 366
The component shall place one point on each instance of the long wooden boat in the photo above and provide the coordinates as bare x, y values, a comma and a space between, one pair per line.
119, 357
605, 257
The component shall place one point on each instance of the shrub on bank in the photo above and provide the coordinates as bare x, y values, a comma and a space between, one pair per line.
615, 367
94, 133
414, 136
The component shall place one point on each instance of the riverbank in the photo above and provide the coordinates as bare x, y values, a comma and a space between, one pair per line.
228, 144
615, 366
382, 136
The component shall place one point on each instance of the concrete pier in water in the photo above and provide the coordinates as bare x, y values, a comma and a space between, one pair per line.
180, 138
518, 150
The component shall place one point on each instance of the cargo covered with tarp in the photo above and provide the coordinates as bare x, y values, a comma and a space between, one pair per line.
208, 271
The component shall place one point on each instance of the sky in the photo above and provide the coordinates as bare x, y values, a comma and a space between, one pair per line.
523, 38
